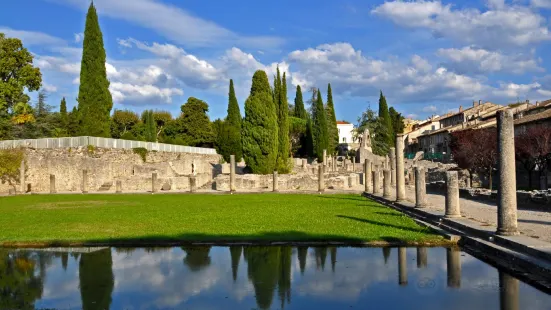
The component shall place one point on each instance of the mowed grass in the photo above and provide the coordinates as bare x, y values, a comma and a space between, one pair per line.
128, 219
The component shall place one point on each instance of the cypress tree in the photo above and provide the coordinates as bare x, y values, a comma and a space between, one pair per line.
283, 124
300, 111
234, 125
150, 126
319, 128
332, 130
259, 128
277, 90
63, 114
94, 99
72, 125
385, 116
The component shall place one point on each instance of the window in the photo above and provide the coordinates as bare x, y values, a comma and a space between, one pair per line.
433, 127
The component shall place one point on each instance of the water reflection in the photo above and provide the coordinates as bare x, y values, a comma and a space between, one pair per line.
258, 278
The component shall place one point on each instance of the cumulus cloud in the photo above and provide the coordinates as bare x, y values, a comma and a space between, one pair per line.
546, 4
175, 23
32, 38
477, 60
430, 108
499, 25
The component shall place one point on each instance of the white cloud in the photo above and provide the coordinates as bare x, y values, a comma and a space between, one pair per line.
500, 25
79, 37
512, 90
546, 4
477, 60
49, 88
430, 108
139, 93
174, 23
32, 38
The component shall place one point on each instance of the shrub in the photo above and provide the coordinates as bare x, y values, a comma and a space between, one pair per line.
10, 161
142, 152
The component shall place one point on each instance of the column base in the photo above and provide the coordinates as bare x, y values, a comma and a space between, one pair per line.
452, 216
503, 232
421, 206
387, 197
85, 192
118, 192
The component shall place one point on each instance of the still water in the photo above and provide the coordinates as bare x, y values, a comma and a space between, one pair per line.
259, 278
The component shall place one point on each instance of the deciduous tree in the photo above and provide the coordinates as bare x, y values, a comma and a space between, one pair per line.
533, 149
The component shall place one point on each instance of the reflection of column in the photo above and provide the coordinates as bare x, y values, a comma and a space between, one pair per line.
508, 292
333, 251
421, 257
96, 279
453, 259
402, 267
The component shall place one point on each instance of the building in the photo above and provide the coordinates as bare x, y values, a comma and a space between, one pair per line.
347, 138
420, 128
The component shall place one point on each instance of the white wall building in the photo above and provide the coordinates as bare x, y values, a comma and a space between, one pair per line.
346, 132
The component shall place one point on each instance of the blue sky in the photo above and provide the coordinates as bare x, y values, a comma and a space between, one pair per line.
428, 57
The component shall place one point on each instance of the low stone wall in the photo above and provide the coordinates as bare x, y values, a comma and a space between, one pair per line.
105, 166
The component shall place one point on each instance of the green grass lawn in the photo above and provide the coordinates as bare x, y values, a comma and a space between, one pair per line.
127, 219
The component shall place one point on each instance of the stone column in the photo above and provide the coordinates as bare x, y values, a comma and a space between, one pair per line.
153, 182
368, 186
84, 181
412, 175
452, 195
321, 181
275, 181
507, 186
354, 164
52, 184
304, 163
402, 267
192, 184
392, 157
22, 177
376, 184
420, 188
314, 170
508, 292
324, 158
421, 257
118, 186
400, 179
453, 259
351, 180
232, 173
386, 184
335, 163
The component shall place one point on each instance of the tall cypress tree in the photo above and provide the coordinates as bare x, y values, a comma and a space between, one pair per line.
319, 128
94, 99
63, 114
234, 125
277, 90
332, 130
283, 124
260, 127
385, 116
300, 111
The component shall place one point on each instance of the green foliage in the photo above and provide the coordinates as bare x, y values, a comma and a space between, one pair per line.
128, 136
319, 128
300, 111
16, 74
297, 133
194, 124
72, 125
224, 133
385, 116
161, 118
283, 164
64, 117
94, 99
90, 148
260, 127
150, 126
232, 130
10, 162
22, 282
377, 129
122, 122
397, 121
142, 151
332, 131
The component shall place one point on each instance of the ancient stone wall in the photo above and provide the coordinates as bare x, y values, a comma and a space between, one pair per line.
105, 166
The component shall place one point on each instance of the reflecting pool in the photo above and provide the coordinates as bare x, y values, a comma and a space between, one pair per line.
204, 277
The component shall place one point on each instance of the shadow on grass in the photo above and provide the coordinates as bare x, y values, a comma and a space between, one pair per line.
390, 214
381, 224
263, 238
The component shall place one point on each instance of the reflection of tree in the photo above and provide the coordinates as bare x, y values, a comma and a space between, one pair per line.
321, 255
386, 253
284, 283
235, 252
263, 271
96, 279
64, 260
19, 284
333, 251
197, 257
302, 254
